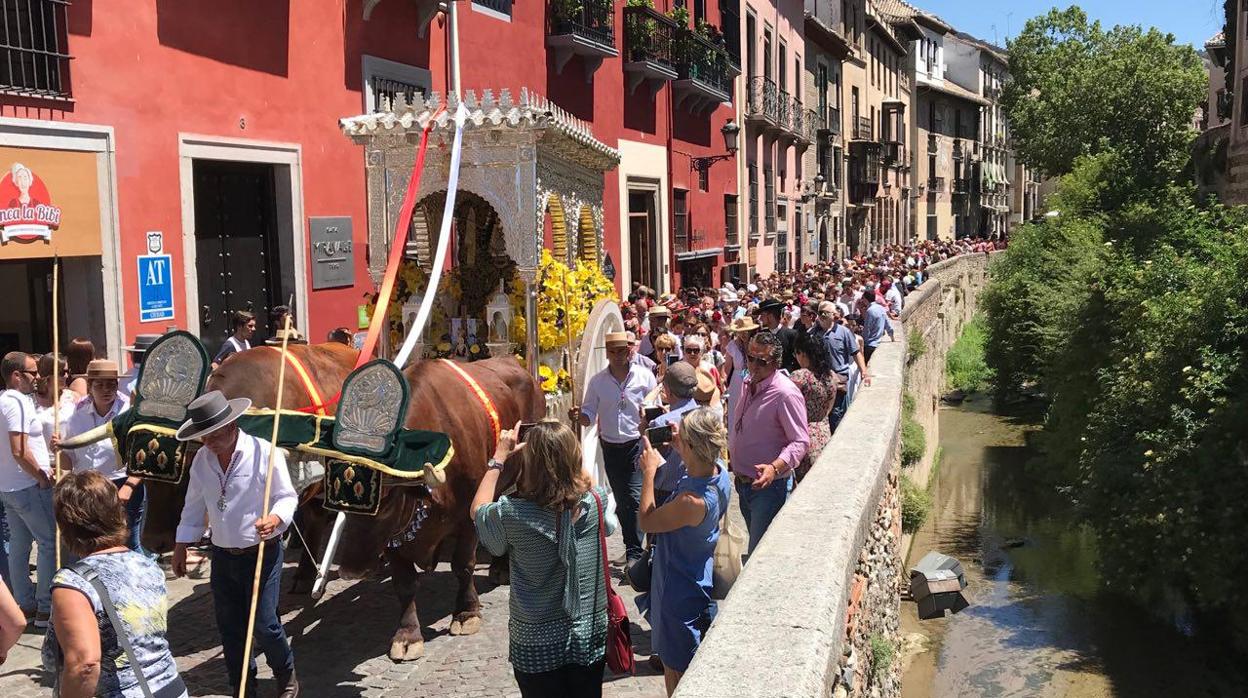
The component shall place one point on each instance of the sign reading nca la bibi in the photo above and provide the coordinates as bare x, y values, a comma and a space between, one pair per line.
155, 287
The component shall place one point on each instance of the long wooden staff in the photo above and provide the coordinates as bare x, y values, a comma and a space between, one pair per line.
56, 384
268, 487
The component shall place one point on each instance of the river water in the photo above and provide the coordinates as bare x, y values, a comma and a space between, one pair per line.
1041, 623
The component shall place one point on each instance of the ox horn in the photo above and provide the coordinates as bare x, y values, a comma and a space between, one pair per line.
87, 438
434, 476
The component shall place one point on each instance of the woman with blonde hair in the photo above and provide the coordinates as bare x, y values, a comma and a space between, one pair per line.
550, 530
686, 528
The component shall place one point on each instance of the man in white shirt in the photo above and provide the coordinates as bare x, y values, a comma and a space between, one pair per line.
613, 400
105, 402
26, 489
227, 489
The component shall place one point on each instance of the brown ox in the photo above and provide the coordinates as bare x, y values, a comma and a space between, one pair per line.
440, 401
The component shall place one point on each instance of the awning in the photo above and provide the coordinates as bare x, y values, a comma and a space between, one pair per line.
698, 254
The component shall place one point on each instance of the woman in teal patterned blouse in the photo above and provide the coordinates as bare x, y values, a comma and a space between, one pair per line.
549, 529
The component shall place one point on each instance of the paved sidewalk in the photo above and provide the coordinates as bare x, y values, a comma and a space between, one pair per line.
341, 643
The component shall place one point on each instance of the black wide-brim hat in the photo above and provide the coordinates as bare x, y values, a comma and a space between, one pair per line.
208, 413
771, 305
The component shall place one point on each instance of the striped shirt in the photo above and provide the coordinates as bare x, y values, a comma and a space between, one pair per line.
556, 618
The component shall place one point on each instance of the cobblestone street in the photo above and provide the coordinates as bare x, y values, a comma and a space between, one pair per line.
341, 643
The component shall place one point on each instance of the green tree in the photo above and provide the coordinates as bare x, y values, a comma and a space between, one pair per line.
1077, 89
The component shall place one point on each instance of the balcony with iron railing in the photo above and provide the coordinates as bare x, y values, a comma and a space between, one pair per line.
935, 184
812, 126
703, 78
894, 153
863, 129
958, 152
933, 144
584, 28
784, 106
830, 123
650, 47
961, 186
690, 240
760, 101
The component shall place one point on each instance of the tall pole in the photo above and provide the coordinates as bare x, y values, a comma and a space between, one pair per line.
268, 489
56, 383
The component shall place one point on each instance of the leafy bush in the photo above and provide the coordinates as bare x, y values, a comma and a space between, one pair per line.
965, 368
883, 652
908, 404
916, 503
913, 442
916, 345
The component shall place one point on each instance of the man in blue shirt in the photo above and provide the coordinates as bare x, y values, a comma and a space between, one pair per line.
875, 324
679, 383
843, 346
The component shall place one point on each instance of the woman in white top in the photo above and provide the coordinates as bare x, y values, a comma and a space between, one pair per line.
43, 395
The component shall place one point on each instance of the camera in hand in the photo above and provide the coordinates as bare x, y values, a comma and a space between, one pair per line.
653, 413
659, 436
672, 359
524, 430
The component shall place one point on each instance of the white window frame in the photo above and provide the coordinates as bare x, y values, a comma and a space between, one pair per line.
372, 66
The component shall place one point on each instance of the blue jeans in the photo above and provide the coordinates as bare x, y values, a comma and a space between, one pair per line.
759, 507
29, 515
231, 598
135, 509
838, 411
625, 479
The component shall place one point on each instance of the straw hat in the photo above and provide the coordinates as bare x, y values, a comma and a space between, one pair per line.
208, 413
706, 390
660, 311
615, 340
743, 324
102, 369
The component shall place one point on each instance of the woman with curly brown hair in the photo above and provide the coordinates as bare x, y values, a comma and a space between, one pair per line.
83, 646
549, 529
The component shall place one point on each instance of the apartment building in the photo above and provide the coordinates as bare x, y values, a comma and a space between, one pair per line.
779, 128
828, 46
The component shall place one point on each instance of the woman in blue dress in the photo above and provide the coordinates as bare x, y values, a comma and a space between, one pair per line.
686, 528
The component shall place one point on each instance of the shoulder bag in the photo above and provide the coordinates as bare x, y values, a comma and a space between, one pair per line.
619, 643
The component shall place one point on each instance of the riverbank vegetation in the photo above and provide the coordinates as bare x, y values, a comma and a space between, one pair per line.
1127, 309
966, 368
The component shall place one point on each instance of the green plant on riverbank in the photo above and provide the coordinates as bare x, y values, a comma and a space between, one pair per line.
915, 345
1129, 309
965, 367
916, 503
883, 652
913, 441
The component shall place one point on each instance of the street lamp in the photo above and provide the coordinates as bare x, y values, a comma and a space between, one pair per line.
731, 133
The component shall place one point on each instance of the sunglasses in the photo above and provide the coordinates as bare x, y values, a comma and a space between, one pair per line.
693, 350
758, 361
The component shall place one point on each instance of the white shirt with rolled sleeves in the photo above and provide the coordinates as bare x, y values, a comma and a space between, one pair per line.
17, 415
99, 456
603, 396
244, 495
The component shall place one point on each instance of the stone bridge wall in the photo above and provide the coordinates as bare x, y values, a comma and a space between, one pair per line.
826, 579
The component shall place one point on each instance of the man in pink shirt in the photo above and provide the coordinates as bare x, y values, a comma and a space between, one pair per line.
767, 435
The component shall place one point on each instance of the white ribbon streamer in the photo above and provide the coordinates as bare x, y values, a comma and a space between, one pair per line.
444, 241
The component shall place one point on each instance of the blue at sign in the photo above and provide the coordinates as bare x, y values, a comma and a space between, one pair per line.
155, 288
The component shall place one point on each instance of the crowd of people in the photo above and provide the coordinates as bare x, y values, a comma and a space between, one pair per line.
707, 392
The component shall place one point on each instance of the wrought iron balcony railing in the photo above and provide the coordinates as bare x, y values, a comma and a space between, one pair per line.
812, 125
650, 36
699, 60
760, 103
589, 19
830, 123
783, 110
690, 241
933, 144
935, 184
961, 185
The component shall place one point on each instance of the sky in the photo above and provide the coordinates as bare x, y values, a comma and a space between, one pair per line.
1191, 21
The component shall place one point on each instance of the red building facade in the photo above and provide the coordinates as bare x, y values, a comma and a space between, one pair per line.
210, 134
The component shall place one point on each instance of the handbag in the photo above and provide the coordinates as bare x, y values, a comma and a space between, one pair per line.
727, 558
619, 649
640, 569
